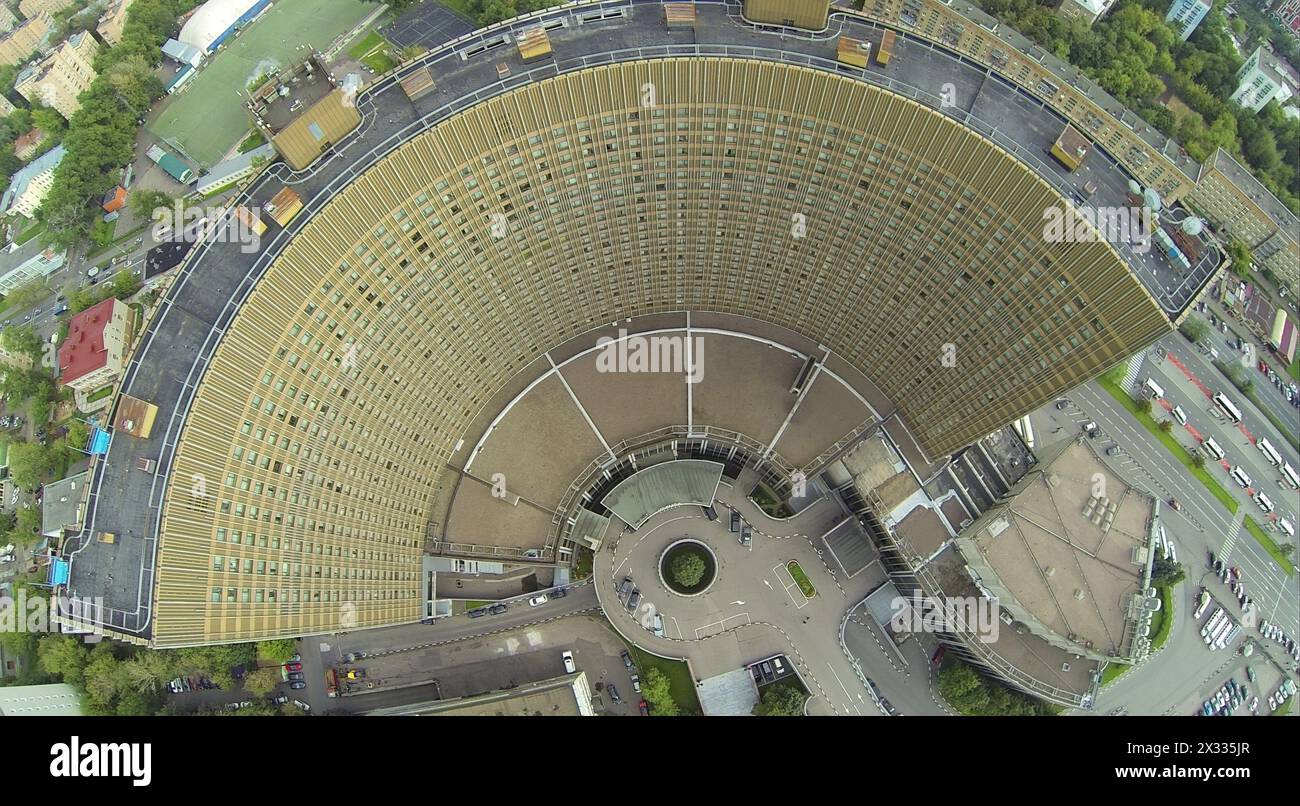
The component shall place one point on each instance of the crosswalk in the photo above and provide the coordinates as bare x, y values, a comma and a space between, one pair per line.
1232, 532
1133, 370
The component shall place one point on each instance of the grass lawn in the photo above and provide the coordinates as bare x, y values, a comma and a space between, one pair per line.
473, 603
1175, 447
1162, 621
207, 116
371, 41
1285, 707
1264, 539
1113, 672
251, 142
805, 584
679, 678
99, 394
30, 232
1294, 369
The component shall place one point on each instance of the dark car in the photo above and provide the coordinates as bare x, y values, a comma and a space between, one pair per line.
633, 599
477, 612
937, 657
889, 709
293, 666
758, 675
613, 693
710, 513
497, 609
735, 521
624, 587
295, 676
627, 659
559, 593
297, 684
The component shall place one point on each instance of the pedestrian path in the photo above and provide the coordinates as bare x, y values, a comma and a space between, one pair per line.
1233, 532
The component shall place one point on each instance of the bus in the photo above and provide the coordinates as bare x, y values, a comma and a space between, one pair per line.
1156, 392
1290, 478
1228, 407
1270, 453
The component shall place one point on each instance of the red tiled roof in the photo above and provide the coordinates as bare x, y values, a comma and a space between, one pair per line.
83, 351
31, 138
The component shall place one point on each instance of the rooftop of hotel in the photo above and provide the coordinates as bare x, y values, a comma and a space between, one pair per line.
206, 292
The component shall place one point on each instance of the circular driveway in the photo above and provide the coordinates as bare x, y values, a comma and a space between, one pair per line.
754, 609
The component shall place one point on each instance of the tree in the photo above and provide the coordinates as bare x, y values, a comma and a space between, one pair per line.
1143, 406
1194, 330
656, 689
27, 527
687, 569
63, 656
1165, 572
125, 284
30, 463
278, 650
1166, 426
22, 339
263, 681
144, 202
27, 295
148, 672
1198, 460
783, 700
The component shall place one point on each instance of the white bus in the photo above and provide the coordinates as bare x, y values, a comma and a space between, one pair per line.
1212, 621
1289, 477
1154, 389
1270, 453
1228, 407
1240, 476
1212, 448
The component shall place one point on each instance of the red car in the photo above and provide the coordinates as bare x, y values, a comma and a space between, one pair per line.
645, 708
293, 667
937, 658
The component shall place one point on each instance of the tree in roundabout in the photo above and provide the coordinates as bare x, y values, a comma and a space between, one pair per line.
687, 569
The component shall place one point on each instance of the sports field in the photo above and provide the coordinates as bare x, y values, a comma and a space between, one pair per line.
206, 117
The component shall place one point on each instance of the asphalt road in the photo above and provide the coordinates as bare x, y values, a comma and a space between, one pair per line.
1271, 397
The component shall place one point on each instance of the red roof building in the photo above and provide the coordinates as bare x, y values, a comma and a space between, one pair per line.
26, 145
94, 352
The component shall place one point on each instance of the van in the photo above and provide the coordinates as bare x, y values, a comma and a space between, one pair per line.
780, 668
1264, 503
1179, 415
1285, 526
1240, 476
1212, 448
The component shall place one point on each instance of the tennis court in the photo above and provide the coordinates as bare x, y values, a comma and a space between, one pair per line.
208, 116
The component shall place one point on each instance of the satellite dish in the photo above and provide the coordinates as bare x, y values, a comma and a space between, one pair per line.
1193, 226
1134, 187
1151, 199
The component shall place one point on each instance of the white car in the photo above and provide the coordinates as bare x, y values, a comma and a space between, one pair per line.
1179, 415
537, 601
569, 665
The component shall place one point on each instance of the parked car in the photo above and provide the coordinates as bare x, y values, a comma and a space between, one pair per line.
658, 625
538, 601
627, 659
293, 666
634, 599
559, 593
296, 676
304, 706
279, 699
636, 683
477, 612
297, 685
497, 609
569, 666
613, 693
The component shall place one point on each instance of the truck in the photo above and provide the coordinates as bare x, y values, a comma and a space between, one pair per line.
173, 166
331, 683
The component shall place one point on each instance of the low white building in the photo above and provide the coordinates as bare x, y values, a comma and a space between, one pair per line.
20, 264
